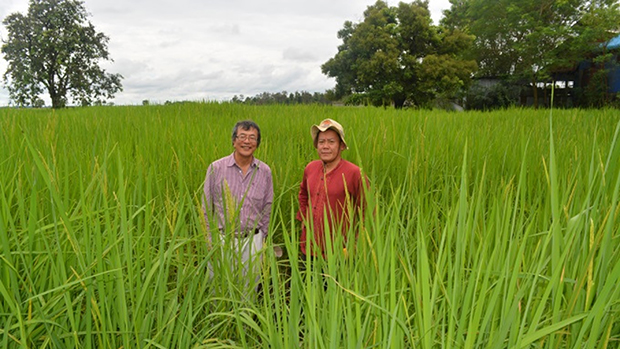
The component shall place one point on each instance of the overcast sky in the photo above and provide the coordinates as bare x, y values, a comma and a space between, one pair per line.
215, 49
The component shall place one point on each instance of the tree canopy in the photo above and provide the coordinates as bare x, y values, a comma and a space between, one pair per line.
528, 40
55, 49
396, 55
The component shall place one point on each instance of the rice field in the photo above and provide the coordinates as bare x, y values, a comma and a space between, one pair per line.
488, 230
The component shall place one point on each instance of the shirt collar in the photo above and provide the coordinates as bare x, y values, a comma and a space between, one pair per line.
335, 168
230, 161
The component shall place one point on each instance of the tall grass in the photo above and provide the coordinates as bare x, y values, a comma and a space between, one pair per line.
495, 230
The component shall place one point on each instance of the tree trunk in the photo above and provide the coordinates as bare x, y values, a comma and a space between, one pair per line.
399, 101
58, 101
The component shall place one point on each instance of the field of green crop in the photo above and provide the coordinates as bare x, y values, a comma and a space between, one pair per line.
488, 230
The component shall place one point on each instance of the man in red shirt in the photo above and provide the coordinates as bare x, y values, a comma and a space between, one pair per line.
331, 192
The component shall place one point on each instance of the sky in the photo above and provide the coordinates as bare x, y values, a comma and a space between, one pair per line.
212, 50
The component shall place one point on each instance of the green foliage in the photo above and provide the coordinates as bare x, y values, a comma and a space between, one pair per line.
303, 97
55, 49
395, 55
498, 96
596, 92
530, 40
483, 230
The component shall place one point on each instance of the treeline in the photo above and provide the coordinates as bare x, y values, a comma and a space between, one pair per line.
284, 97
484, 54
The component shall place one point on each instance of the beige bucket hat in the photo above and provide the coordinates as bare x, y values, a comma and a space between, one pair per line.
326, 125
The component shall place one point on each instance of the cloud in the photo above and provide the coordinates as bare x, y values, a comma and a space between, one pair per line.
128, 67
226, 28
298, 55
194, 50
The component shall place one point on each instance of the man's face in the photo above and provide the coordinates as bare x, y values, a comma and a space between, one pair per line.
328, 146
246, 142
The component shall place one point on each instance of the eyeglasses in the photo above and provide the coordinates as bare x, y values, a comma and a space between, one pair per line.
244, 137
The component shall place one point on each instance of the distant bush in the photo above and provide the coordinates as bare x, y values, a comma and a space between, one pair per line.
284, 97
499, 96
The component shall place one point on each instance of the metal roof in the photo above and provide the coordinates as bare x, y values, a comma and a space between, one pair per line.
613, 43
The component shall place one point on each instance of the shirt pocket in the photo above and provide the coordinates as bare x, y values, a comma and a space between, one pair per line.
256, 198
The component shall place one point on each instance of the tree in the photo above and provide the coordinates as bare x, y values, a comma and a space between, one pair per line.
528, 40
54, 48
396, 55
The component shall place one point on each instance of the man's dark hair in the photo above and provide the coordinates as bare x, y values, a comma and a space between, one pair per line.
246, 125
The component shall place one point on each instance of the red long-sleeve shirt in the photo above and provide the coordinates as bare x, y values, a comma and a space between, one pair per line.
325, 195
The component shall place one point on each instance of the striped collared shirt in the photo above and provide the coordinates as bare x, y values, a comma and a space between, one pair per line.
236, 202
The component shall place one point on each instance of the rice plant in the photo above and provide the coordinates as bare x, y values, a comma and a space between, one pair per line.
493, 230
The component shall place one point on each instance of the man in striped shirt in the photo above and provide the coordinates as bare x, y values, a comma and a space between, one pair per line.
238, 193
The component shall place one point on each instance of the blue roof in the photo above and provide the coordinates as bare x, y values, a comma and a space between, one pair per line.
613, 43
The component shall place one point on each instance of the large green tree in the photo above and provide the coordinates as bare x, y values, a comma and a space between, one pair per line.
54, 48
528, 40
396, 55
